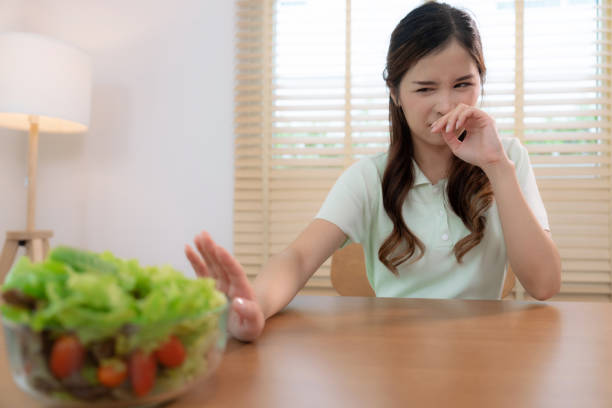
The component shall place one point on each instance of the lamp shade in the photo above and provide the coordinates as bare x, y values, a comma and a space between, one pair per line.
43, 77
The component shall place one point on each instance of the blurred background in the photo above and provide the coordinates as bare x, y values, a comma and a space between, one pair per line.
156, 165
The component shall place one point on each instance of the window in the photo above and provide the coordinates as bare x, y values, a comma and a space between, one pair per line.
310, 100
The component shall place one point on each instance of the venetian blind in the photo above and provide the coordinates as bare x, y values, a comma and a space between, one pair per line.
310, 100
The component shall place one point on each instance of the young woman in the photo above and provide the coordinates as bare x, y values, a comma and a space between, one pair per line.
439, 215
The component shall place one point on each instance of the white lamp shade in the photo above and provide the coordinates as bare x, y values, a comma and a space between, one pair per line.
43, 77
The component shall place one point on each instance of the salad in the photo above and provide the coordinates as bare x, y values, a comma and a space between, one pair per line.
90, 327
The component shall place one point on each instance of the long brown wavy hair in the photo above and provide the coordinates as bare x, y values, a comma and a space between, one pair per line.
425, 29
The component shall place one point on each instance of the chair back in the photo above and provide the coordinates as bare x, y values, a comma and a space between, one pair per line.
348, 272
349, 278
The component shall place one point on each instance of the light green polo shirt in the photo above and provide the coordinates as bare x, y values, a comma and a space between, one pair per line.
355, 205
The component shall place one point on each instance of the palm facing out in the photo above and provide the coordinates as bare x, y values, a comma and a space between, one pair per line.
246, 319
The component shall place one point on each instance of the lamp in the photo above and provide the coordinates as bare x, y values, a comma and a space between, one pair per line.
45, 86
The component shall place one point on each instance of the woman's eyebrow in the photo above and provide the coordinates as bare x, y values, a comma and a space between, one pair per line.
424, 82
462, 78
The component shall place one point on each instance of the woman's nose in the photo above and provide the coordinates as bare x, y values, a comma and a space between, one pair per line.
445, 103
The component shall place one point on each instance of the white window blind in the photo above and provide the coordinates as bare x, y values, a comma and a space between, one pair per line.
310, 100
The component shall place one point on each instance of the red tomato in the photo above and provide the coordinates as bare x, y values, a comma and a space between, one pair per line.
112, 373
67, 356
171, 353
143, 369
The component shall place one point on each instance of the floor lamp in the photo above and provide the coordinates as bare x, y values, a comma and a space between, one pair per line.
45, 86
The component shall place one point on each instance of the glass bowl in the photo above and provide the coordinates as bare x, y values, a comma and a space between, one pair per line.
111, 372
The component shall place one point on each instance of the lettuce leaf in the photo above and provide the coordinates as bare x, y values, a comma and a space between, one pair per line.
98, 295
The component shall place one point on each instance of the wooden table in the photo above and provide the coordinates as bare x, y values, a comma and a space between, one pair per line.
373, 352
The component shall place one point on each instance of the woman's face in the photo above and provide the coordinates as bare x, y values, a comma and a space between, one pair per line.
435, 85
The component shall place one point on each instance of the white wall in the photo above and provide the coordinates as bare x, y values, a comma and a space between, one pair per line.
156, 165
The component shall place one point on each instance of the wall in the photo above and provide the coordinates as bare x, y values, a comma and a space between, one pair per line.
156, 165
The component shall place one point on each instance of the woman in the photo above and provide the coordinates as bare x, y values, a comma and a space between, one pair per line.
439, 215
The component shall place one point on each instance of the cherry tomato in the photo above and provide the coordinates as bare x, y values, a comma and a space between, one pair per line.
171, 353
112, 373
142, 369
67, 355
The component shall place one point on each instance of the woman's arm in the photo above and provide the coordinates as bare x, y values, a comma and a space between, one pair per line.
287, 272
532, 254
278, 282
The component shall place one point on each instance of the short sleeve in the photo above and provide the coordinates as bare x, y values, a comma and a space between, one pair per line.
526, 178
348, 203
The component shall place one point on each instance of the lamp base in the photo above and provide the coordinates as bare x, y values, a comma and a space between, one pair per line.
36, 243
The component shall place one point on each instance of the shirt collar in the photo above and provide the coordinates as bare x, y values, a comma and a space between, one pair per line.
419, 177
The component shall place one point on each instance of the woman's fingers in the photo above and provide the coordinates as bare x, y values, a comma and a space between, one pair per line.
452, 140
196, 262
451, 121
464, 115
246, 319
439, 124
205, 246
209, 250
234, 273
223, 283
216, 262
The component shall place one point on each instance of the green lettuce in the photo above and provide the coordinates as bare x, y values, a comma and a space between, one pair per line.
99, 295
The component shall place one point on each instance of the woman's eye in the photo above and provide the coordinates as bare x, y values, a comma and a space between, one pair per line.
423, 89
463, 85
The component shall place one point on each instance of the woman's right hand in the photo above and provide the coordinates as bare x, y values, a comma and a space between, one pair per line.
246, 319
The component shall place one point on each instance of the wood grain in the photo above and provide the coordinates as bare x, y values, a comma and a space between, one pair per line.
374, 352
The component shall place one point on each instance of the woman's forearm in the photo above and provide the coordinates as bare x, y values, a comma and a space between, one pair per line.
278, 282
532, 254
287, 272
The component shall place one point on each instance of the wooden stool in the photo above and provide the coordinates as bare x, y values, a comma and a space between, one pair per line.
36, 243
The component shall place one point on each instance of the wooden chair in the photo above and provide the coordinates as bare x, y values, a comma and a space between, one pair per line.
348, 273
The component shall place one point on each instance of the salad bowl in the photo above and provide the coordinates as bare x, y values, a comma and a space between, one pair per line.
93, 330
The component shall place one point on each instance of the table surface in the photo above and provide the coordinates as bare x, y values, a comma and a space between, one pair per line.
377, 352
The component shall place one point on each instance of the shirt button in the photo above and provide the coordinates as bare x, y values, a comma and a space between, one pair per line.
441, 212
445, 237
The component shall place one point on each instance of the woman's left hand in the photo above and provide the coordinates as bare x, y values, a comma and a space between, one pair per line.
481, 145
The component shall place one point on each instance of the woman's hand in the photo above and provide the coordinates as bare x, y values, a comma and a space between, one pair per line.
246, 319
481, 145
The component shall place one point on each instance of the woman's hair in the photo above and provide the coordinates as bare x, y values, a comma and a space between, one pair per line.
426, 29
